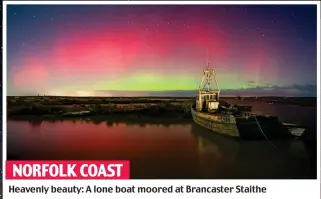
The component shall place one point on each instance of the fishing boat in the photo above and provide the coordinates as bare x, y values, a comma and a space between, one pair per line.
233, 120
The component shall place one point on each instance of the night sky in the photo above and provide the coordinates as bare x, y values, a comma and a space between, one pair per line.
130, 50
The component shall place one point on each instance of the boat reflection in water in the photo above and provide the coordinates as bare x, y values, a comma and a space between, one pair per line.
226, 158
158, 150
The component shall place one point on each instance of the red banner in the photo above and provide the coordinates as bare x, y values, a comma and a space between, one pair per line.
63, 170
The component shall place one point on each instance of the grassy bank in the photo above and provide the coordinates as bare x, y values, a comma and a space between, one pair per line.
57, 107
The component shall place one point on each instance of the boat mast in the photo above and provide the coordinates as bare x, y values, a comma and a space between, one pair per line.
208, 79
209, 75
208, 98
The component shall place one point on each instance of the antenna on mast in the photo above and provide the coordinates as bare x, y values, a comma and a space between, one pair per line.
207, 62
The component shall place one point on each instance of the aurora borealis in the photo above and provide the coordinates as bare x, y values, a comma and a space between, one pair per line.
108, 50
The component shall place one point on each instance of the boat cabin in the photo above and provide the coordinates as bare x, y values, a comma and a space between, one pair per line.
207, 101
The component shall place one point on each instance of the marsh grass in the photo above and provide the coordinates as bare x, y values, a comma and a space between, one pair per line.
55, 106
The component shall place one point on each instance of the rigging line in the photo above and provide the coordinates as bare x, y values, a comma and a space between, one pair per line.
263, 132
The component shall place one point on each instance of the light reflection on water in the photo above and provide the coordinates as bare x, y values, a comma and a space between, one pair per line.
158, 151
170, 150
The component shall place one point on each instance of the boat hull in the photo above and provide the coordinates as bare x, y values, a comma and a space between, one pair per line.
219, 124
245, 128
295, 130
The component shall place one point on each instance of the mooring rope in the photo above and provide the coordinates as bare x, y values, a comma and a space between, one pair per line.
263, 132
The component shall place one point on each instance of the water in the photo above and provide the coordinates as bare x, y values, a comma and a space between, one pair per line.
176, 150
